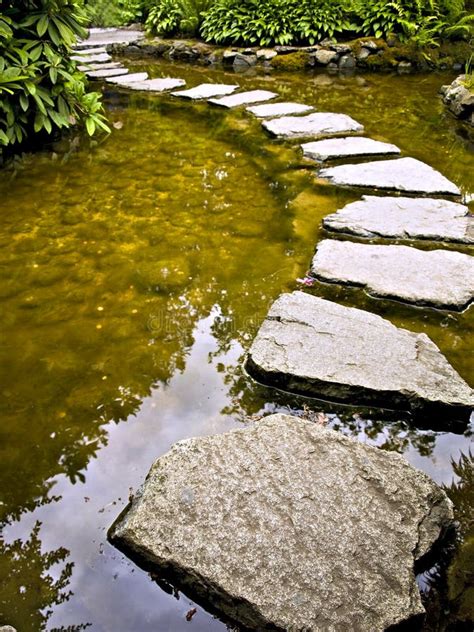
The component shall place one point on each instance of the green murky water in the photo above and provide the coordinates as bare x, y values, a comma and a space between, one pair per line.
134, 274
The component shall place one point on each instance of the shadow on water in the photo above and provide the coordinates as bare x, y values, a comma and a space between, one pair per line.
134, 274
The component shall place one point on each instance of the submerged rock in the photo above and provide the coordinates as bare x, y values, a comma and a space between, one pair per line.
404, 218
402, 174
244, 98
287, 525
352, 146
436, 278
318, 124
318, 348
206, 90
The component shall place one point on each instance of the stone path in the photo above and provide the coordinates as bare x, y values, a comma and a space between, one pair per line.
404, 218
258, 555
350, 147
321, 349
440, 279
406, 175
437, 278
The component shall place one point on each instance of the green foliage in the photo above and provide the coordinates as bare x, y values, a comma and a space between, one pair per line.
106, 13
40, 87
267, 22
171, 17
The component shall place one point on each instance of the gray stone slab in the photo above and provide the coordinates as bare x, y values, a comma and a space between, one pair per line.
435, 278
287, 525
134, 77
321, 349
316, 125
157, 85
404, 218
206, 91
107, 72
244, 98
269, 110
402, 174
105, 37
352, 146
96, 50
105, 66
92, 59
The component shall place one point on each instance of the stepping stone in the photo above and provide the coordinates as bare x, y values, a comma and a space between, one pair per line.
97, 50
275, 525
318, 348
107, 72
269, 110
354, 147
107, 66
244, 98
206, 91
404, 218
435, 278
104, 37
402, 174
318, 124
157, 85
86, 59
132, 78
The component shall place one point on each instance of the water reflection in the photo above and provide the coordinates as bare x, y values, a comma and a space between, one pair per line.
133, 277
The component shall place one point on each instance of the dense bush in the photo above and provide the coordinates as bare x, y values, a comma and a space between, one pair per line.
40, 87
266, 22
171, 17
115, 12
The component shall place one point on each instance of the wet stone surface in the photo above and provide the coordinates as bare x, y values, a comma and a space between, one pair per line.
244, 98
275, 525
350, 346
435, 278
403, 174
404, 218
319, 124
352, 146
206, 91
278, 109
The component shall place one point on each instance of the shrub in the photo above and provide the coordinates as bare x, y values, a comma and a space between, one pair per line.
265, 22
40, 87
106, 13
171, 17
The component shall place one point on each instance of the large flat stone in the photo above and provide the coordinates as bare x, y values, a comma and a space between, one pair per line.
96, 50
352, 146
404, 218
107, 72
288, 526
269, 110
402, 174
108, 36
92, 59
105, 66
134, 77
157, 85
206, 91
321, 349
244, 98
318, 124
435, 278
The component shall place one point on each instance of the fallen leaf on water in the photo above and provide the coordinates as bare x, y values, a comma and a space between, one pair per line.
190, 614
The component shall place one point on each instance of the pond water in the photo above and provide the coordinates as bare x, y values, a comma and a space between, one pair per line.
134, 274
